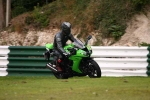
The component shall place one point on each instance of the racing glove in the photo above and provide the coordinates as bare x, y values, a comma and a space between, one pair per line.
66, 54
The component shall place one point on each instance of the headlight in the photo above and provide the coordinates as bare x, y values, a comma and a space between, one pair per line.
84, 53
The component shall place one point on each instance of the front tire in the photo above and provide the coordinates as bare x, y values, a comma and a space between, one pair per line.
94, 70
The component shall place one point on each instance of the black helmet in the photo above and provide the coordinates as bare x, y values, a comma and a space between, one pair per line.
66, 28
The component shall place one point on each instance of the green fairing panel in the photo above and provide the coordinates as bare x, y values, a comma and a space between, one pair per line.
68, 46
76, 62
76, 58
81, 53
49, 45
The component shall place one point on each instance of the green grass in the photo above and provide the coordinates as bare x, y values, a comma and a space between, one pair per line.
77, 88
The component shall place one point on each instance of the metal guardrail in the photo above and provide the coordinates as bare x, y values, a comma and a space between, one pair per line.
114, 61
98, 51
120, 51
23, 60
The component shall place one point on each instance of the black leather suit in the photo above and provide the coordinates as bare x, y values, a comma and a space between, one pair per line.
59, 42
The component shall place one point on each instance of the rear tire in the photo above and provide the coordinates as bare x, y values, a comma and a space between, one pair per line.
94, 70
60, 75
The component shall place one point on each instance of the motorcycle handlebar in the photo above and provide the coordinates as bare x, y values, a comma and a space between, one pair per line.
72, 50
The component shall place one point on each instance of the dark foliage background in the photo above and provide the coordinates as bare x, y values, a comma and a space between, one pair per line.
21, 6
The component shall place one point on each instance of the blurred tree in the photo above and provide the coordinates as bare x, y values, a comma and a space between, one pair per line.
21, 6
2, 13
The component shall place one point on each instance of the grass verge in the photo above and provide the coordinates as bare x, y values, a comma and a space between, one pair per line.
77, 88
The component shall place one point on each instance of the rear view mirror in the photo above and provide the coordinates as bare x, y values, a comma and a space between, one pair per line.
89, 37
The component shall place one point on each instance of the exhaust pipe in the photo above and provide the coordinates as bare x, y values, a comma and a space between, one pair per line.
49, 66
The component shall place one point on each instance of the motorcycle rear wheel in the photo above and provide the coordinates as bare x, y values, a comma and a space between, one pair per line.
94, 70
60, 75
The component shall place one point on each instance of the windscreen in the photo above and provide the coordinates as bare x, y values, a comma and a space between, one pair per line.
79, 44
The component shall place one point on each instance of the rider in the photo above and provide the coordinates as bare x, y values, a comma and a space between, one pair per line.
60, 40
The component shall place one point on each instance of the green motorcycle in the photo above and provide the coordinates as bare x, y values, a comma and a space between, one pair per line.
80, 63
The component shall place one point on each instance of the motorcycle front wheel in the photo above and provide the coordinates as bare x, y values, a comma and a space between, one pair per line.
94, 69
